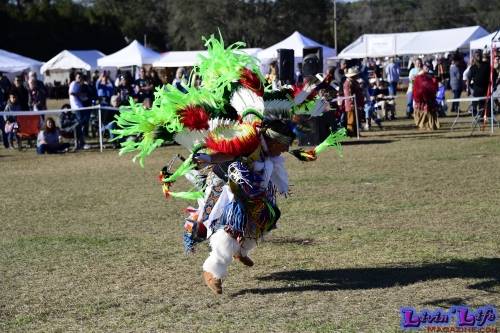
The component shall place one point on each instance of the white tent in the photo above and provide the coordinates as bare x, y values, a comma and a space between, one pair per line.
188, 58
377, 45
484, 42
408, 43
12, 62
69, 59
297, 42
135, 54
440, 41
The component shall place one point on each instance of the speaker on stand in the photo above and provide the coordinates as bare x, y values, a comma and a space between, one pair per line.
286, 64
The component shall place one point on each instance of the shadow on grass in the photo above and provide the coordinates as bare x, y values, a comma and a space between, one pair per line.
470, 136
382, 277
447, 302
366, 142
290, 240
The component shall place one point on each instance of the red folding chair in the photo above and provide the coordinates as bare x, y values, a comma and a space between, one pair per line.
29, 126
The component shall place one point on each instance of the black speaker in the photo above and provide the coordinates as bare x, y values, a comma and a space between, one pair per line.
286, 64
312, 61
315, 130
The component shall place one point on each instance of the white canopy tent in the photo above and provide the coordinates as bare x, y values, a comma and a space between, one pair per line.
188, 58
447, 40
14, 63
73, 59
408, 43
484, 42
377, 45
135, 54
297, 42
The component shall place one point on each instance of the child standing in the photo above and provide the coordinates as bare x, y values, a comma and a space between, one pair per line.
441, 98
11, 125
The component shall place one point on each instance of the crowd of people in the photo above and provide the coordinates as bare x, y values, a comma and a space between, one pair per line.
27, 93
374, 82
375, 85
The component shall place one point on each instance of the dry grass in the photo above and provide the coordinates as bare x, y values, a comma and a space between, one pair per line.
406, 218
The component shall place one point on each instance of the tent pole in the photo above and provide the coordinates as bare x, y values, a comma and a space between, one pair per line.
356, 115
100, 127
491, 91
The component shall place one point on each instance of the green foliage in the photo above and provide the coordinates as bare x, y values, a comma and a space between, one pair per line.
42, 28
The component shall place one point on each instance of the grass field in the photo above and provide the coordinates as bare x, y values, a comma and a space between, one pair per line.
405, 218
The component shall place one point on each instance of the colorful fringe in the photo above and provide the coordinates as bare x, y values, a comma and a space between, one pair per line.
333, 140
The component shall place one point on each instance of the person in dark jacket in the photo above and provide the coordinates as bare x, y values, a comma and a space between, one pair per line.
455, 82
480, 79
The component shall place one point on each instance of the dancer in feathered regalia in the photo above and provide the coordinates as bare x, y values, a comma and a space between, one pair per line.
236, 129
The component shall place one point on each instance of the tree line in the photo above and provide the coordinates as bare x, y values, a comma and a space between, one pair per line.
42, 28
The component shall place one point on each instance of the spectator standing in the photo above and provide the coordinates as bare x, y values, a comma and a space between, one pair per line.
4, 96
455, 82
496, 81
143, 87
37, 100
379, 71
4, 90
75, 101
48, 140
392, 74
124, 89
480, 80
409, 93
21, 92
118, 77
95, 77
351, 87
424, 95
87, 96
441, 98
441, 73
104, 87
154, 78
180, 79
272, 76
339, 75
364, 72
9, 126
39, 84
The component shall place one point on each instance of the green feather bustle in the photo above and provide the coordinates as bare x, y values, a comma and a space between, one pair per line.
333, 140
222, 66
143, 124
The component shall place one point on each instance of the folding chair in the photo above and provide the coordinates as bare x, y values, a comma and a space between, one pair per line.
29, 126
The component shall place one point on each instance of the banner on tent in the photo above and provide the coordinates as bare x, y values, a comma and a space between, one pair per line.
380, 45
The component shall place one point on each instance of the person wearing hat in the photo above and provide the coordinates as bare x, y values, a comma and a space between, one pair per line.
424, 96
352, 88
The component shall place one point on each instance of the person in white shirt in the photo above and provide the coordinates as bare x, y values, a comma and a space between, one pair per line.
74, 92
409, 93
76, 103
